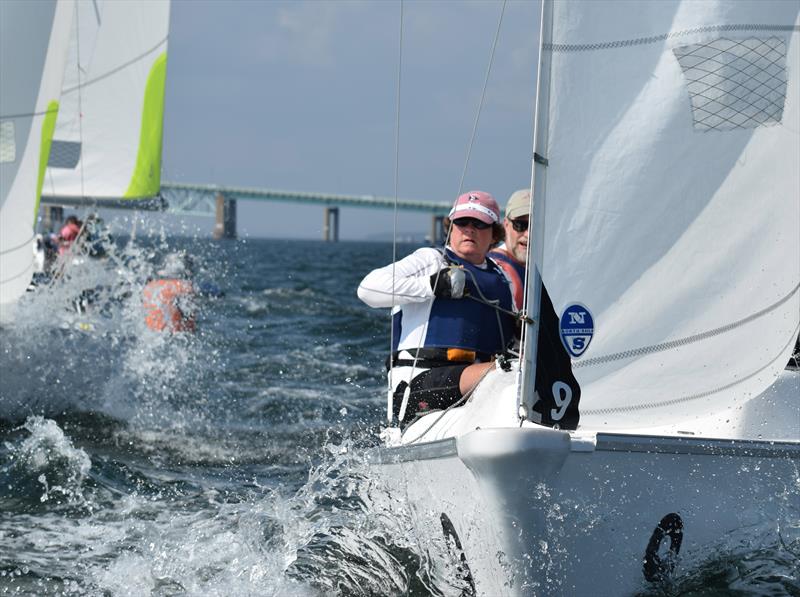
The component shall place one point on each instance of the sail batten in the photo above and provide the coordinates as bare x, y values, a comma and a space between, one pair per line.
673, 200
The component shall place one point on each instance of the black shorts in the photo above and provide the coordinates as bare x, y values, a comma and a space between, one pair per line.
434, 389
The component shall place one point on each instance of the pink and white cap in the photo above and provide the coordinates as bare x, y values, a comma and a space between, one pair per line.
478, 205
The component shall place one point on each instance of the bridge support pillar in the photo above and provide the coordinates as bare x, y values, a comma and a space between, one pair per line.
52, 216
437, 232
225, 226
330, 227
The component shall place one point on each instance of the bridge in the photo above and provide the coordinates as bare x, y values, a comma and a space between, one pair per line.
205, 200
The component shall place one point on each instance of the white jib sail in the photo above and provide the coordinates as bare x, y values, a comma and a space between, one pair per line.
673, 201
108, 137
33, 47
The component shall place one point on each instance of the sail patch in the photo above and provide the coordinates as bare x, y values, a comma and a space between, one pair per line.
576, 329
735, 83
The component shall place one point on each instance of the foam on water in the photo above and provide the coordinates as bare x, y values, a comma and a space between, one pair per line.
231, 461
46, 458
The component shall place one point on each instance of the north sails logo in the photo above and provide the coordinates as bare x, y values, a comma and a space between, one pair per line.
576, 329
474, 198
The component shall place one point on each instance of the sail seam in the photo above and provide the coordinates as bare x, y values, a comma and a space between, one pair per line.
617, 356
19, 275
116, 70
18, 247
640, 41
674, 401
28, 115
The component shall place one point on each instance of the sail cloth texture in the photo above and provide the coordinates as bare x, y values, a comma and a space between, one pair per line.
108, 137
673, 201
33, 47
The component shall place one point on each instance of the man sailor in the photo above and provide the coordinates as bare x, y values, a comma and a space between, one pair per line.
554, 368
512, 254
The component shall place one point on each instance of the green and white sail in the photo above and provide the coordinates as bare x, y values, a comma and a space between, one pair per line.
107, 141
33, 46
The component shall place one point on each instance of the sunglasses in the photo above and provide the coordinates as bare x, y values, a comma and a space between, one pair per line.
474, 222
519, 225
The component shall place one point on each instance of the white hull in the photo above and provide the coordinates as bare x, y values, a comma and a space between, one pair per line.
546, 512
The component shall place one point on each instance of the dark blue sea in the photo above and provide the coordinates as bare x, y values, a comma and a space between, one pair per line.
229, 461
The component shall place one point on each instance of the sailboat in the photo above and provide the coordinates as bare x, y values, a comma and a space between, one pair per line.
108, 137
666, 229
34, 38
107, 143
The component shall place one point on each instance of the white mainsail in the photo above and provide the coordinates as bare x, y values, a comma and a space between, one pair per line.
673, 201
108, 138
33, 47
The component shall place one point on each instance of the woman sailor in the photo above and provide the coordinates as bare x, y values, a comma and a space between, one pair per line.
452, 310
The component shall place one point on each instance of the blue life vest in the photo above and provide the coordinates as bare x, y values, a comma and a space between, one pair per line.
468, 324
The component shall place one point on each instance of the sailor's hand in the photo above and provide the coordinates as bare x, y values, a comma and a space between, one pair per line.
449, 282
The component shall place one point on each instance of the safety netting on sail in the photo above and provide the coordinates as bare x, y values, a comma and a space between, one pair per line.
673, 201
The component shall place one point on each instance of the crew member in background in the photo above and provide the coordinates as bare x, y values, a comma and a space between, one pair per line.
513, 253
68, 234
169, 299
553, 362
446, 330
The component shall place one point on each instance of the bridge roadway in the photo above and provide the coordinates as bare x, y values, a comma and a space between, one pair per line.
206, 200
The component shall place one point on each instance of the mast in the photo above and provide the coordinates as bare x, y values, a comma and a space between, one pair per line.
533, 278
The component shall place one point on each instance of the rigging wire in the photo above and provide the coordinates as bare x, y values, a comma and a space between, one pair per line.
79, 87
389, 389
407, 392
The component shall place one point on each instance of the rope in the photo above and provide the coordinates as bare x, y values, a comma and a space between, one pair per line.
643, 350
407, 392
495, 304
483, 95
689, 398
389, 389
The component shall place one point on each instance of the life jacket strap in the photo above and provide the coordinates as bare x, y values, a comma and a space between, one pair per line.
427, 358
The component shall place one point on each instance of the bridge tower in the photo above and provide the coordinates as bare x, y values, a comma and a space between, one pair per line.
330, 227
225, 226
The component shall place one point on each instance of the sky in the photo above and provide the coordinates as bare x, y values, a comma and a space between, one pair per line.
302, 96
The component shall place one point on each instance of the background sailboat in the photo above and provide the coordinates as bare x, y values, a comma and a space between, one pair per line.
108, 137
34, 42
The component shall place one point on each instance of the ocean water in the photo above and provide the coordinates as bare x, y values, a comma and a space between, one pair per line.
227, 462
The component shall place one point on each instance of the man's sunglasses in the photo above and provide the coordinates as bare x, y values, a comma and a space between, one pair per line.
519, 225
474, 222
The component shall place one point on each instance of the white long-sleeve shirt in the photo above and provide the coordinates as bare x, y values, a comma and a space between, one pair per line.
412, 292
411, 276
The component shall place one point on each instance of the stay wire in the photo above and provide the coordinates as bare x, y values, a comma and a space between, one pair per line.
389, 389
62, 266
483, 95
407, 393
